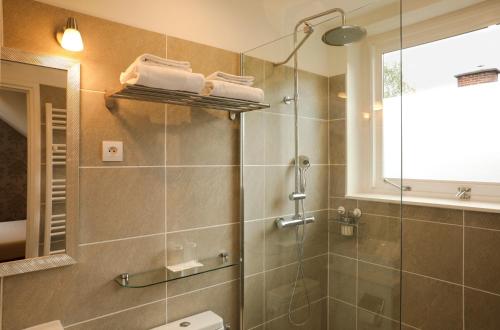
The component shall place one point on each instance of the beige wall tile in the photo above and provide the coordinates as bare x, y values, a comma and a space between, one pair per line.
253, 312
279, 184
343, 278
253, 66
278, 84
337, 142
337, 180
202, 196
433, 249
317, 188
279, 285
481, 259
337, 104
121, 202
87, 289
281, 244
279, 139
144, 317
379, 240
314, 140
109, 47
255, 138
254, 184
379, 286
200, 281
342, 316
431, 304
377, 208
201, 137
204, 59
336, 202
254, 246
342, 245
210, 241
433, 214
221, 299
371, 321
140, 125
317, 321
482, 310
313, 91
482, 220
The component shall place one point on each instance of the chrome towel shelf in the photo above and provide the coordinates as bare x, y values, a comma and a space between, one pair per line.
142, 93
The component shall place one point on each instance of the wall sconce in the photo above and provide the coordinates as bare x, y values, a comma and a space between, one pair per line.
69, 37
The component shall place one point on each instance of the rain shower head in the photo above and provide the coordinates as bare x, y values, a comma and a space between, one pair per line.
343, 35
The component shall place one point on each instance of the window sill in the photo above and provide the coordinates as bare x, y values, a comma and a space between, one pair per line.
469, 205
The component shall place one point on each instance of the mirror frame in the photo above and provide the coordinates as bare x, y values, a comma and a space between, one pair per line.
72, 160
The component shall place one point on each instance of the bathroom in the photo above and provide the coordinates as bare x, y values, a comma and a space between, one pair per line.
315, 196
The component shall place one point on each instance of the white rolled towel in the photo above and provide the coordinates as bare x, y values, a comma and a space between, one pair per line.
163, 78
233, 91
231, 78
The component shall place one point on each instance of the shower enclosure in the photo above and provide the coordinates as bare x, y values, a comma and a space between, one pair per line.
311, 260
363, 209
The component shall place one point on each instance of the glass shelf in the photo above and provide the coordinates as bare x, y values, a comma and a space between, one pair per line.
162, 275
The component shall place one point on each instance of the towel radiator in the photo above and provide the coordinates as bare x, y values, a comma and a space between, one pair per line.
55, 180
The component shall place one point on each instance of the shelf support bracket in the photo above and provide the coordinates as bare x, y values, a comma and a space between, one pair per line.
110, 102
232, 115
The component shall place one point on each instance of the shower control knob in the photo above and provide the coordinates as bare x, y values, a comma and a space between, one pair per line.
341, 210
356, 213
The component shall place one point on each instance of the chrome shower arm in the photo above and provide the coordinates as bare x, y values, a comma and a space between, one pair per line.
309, 30
328, 12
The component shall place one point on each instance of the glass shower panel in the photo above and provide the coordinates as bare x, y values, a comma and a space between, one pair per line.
350, 261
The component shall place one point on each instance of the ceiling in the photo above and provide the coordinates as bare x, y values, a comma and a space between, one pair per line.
241, 25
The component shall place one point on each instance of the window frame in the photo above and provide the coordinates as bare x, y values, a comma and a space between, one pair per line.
422, 191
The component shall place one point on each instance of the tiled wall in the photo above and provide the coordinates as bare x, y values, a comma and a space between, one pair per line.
449, 258
178, 182
270, 254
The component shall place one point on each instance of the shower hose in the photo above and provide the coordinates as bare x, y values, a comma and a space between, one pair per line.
299, 277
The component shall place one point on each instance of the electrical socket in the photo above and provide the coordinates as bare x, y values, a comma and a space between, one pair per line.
112, 151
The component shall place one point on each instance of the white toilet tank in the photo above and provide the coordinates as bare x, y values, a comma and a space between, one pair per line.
204, 321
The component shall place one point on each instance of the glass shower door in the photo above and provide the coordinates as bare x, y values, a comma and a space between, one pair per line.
352, 251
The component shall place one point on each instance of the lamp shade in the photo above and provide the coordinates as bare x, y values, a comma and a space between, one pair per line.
71, 39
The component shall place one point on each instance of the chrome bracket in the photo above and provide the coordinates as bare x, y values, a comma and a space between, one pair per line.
296, 196
464, 193
124, 278
109, 102
232, 115
288, 99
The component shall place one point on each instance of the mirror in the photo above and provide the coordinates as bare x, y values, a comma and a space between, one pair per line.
39, 114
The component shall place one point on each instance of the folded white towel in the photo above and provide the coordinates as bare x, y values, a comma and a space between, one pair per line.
243, 83
231, 78
163, 78
156, 60
54, 325
234, 91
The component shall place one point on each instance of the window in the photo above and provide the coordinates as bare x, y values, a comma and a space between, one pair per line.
450, 108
